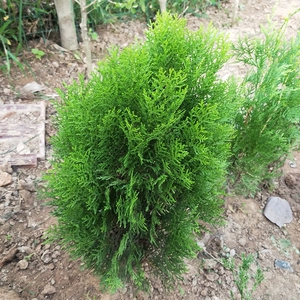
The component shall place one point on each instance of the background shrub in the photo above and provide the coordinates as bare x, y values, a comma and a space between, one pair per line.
267, 124
141, 154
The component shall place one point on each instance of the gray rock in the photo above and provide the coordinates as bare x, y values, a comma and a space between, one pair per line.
278, 211
283, 265
5, 178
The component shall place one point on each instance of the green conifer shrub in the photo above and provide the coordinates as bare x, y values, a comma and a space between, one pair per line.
141, 153
267, 124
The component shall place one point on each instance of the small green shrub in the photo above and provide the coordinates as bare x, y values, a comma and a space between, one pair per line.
267, 123
141, 153
245, 279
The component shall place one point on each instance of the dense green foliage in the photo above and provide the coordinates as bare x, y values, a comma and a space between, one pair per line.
267, 123
141, 154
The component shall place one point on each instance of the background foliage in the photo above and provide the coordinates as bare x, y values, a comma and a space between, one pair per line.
21, 20
267, 124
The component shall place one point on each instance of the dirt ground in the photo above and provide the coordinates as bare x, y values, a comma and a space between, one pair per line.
31, 270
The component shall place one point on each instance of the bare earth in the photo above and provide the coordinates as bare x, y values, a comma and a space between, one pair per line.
32, 270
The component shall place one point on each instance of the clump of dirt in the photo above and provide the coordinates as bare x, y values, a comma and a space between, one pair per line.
31, 269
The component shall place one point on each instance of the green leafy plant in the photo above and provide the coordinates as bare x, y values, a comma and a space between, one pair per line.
8, 237
94, 36
38, 53
267, 122
141, 153
245, 280
6, 34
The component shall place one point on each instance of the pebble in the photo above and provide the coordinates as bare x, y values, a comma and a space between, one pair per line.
278, 211
26, 185
204, 292
283, 265
55, 254
46, 257
209, 264
232, 253
55, 64
48, 290
22, 264
5, 178
26, 195
242, 241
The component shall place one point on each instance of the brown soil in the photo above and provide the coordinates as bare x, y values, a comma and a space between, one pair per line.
50, 274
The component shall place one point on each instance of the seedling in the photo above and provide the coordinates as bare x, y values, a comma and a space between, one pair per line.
38, 53
8, 237
243, 276
94, 36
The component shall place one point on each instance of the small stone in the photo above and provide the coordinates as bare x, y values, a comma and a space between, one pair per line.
25, 249
278, 211
210, 277
51, 266
6, 91
283, 265
52, 281
204, 292
5, 178
46, 257
55, 64
22, 264
26, 195
48, 290
232, 253
55, 254
209, 264
194, 282
242, 241
6, 168
26, 185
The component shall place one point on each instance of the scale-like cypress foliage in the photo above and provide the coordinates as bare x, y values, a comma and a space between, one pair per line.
141, 153
267, 124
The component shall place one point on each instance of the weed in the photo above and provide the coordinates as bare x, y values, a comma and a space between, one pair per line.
243, 277
38, 53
